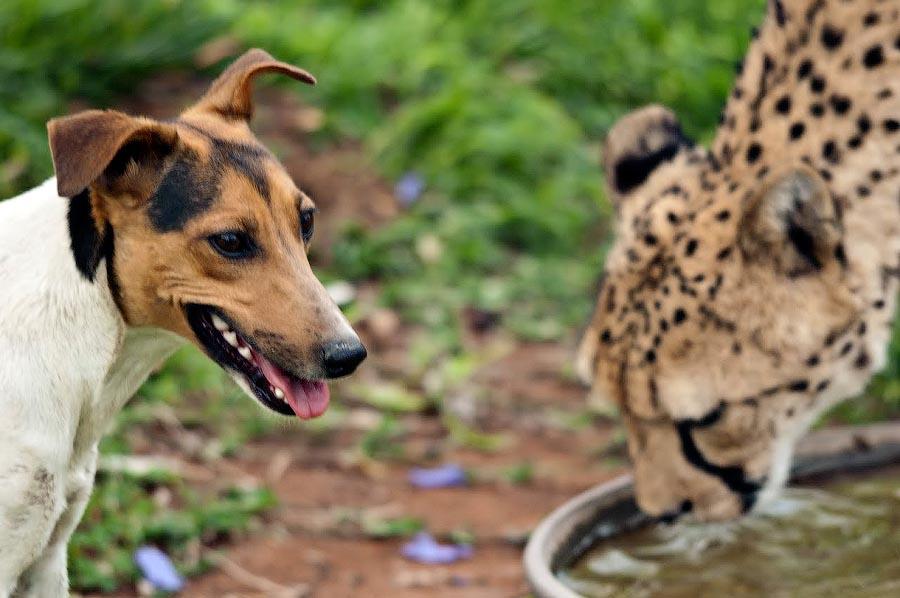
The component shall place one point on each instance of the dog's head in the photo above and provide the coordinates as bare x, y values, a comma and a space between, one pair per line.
205, 234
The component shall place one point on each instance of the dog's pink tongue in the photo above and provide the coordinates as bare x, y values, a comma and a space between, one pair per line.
308, 398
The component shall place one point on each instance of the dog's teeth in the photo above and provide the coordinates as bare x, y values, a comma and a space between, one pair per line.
219, 323
231, 337
279, 393
245, 352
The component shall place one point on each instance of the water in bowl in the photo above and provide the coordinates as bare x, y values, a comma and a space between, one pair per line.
843, 540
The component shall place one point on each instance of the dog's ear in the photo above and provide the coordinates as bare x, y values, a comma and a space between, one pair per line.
104, 143
230, 95
637, 144
794, 222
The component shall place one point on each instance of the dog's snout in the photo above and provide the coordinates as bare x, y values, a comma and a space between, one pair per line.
340, 358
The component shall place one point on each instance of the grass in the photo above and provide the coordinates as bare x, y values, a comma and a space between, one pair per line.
498, 107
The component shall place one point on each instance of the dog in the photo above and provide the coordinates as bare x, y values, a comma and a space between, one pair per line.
151, 234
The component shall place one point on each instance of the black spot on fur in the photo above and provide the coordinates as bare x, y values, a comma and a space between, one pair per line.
817, 84
873, 57
830, 152
783, 105
817, 110
891, 125
679, 316
798, 386
864, 124
804, 69
753, 153
831, 37
870, 19
840, 104
796, 131
691, 247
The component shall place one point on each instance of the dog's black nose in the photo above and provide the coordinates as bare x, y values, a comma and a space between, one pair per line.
341, 358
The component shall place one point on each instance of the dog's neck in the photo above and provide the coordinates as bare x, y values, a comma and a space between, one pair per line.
54, 316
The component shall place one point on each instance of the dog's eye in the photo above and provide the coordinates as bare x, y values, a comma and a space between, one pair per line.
307, 223
233, 244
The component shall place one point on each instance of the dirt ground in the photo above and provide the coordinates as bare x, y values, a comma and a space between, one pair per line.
305, 542
313, 543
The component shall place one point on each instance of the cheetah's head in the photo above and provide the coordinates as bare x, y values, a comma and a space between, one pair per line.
726, 320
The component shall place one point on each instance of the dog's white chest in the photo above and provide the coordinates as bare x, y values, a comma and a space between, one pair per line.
70, 363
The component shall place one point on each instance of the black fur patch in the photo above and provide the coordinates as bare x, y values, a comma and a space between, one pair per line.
633, 170
247, 160
89, 245
112, 277
188, 189
191, 187
733, 477
85, 240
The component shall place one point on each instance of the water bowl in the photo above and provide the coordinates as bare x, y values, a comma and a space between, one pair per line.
599, 518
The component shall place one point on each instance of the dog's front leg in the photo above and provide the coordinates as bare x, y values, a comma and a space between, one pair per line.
31, 499
48, 576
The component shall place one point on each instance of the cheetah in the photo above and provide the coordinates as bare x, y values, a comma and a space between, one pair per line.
753, 284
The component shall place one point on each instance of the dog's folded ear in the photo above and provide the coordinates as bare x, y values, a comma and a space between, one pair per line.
107, 143
230, 95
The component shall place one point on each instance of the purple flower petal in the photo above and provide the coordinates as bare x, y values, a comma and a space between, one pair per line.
157, 568
445, 476
424, 549
409, 188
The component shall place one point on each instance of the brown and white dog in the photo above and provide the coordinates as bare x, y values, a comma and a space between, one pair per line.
151, 233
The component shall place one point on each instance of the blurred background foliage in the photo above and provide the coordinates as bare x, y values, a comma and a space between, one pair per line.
497, 106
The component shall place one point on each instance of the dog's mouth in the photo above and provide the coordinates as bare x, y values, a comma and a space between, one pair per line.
275, 388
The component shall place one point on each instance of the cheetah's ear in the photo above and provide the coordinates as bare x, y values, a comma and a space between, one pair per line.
637, 144
795, 222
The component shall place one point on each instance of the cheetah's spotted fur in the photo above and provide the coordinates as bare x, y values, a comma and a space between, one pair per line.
753, 284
